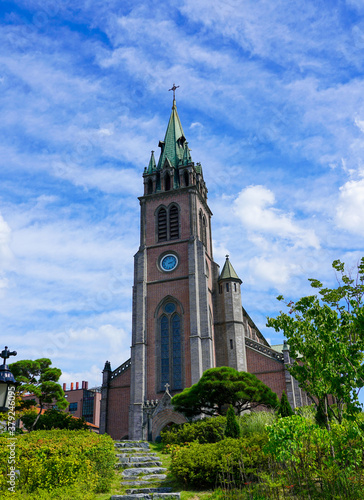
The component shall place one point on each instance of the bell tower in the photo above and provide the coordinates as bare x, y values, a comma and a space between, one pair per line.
172, 332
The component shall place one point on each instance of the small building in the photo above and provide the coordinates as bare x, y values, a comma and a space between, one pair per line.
83, 403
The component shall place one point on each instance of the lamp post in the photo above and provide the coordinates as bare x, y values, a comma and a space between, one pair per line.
7, 380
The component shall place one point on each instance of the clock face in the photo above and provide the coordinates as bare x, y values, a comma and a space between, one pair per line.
169, 262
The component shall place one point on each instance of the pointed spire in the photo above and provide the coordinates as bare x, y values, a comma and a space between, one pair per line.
152, 166
186, 155
173, 146
228, 272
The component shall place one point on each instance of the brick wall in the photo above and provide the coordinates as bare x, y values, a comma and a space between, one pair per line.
268, 370
118, 406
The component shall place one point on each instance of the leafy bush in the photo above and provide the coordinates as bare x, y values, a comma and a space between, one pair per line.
53, 419
59, 458
209, 430
308, 455
204, 465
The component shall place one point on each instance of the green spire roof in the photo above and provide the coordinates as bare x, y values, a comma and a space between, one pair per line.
152, 165
173, 146
228, 272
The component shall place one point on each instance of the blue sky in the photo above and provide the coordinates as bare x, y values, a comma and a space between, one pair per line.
271, 100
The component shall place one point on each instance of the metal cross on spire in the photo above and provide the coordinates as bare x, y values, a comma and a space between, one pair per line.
174, 88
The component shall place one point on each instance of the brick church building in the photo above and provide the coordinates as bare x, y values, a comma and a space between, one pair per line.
187, 314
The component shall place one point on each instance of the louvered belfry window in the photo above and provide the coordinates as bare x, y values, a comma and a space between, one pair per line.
168, 223
162, 224
173, 223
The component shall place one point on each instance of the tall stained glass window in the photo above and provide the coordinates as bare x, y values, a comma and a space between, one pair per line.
177, 352
164, 351
171, 348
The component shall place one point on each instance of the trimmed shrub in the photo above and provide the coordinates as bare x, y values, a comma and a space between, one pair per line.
59, 458
232, 426
285, 409
209, 430
207, 465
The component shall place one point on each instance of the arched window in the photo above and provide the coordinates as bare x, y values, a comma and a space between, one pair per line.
203, 236
162, 224
173, 223
167, 182
164, 351
186, 179
177, 352
158, 182
170, 356
150, 187
167, 222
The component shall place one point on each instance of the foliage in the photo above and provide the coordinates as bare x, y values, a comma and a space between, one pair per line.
309, 412
326, 339
285, 409
256, 422
60, 458
53, 419
220, 387
304, 452
208, 430
39, 379
202, 465
232, 429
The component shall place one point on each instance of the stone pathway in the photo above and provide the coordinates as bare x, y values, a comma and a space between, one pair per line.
142, 470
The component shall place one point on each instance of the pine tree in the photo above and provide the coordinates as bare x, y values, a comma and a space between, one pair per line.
232, 425
285, 409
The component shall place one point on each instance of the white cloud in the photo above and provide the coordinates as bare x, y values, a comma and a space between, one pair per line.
350, 208
5, 252
254, 207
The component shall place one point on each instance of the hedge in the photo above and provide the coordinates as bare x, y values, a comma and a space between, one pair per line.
58, 458
209, 430
208, 465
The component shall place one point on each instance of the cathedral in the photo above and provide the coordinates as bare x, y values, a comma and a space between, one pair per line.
187, 313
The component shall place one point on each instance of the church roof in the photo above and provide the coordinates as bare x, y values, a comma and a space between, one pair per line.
228, 272
174, 146
152, 166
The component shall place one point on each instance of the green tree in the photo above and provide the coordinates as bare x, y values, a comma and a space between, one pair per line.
53, 419
285, 409
39, 379
232, 429
220, 387
326, 339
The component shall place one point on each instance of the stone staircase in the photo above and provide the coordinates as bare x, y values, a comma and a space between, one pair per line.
143, 471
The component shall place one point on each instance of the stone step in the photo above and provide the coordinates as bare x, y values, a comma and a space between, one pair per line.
124, 459
136, 471
131, 497
148, 480
142, 464
135, 451
121, 465
147, 496
155, 477
132, 444
136, 483
134, 491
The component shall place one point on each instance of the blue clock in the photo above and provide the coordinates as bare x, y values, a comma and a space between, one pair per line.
169, 262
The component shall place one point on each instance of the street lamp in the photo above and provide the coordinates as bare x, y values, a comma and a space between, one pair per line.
7, 380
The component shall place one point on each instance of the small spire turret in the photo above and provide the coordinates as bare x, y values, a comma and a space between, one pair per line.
152, 165
228, 272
